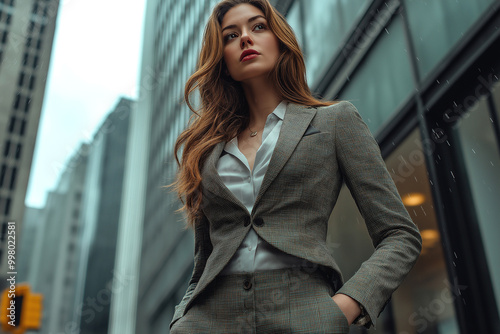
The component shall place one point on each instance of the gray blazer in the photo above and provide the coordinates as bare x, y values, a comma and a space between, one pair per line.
317, 150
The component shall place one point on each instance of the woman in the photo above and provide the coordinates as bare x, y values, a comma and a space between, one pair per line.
262, 166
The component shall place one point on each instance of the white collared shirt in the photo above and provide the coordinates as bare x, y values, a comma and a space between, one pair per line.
254, 253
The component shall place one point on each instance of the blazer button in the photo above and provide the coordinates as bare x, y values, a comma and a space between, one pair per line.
247, 221
247, 285
259, 221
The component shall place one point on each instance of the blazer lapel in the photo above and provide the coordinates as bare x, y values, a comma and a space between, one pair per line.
212, 180
295, 123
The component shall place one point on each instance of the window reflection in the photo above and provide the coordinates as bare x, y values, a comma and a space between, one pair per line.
455, 18
481, 158
424, 303
384, 80
321, 26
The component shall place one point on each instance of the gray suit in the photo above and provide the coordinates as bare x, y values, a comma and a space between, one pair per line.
317, 150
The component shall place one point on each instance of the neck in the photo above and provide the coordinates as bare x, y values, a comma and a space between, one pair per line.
262, 99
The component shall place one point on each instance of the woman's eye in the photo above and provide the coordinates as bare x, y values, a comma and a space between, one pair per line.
260, 25
228, 37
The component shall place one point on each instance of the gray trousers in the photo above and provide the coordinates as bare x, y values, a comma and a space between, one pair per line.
292, 300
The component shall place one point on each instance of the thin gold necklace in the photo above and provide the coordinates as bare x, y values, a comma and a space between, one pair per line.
252, 133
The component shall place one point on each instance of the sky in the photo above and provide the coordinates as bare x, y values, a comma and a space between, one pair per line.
95, 61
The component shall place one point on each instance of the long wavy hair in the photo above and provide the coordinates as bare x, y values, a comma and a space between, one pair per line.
223, 112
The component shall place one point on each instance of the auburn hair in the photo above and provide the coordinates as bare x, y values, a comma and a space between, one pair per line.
223, 113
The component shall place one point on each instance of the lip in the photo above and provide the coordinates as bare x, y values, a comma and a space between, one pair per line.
248, 52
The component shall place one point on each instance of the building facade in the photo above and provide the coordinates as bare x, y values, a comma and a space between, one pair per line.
424, 76
100, 213
26, 35
53, 257
172, 42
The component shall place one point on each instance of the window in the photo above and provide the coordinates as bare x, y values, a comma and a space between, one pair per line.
28, 42
23, 127
383, 80
475, 134
39, 44
3, 171
32, 82
4, 37
21, 79
17, 101
4, 231
18, 151
323, 22
35, 62
31, 26
27, 104
6, 148
12, 180
12, 124
9, 17
7, 206
455, 19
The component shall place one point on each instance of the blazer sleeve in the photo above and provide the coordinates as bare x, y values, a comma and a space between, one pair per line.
395, 237
202, 250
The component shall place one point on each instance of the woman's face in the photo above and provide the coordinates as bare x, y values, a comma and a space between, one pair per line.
244, 28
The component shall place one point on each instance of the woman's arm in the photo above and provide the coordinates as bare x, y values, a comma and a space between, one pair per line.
202, 249
395, 237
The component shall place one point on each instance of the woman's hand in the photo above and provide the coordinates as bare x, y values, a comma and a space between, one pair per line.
348, 306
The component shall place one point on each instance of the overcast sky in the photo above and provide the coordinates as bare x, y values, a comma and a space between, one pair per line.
95, 61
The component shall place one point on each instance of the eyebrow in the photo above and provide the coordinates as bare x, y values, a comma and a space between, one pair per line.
253, 18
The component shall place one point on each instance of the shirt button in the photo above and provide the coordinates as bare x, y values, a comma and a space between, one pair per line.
259, 221
247, 285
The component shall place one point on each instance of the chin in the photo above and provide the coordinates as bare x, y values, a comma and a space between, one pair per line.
241, 77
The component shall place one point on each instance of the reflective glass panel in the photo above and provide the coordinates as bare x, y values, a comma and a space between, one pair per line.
383, 80
436, 26
480, 153
321, 26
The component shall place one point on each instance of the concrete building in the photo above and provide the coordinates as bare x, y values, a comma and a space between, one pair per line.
172, 39
26, 35
52, 257
100, 212
26, 249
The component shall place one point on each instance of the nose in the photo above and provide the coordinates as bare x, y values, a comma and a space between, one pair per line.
245, 39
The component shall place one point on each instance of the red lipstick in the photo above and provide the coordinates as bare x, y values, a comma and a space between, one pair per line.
248, 54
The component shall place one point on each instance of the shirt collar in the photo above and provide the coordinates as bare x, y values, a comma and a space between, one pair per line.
279, 111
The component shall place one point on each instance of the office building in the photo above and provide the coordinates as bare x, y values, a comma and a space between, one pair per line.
424, 76
55, 254
100, 213
26, 35
172, 38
